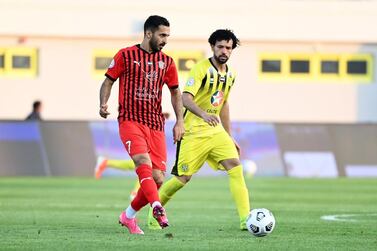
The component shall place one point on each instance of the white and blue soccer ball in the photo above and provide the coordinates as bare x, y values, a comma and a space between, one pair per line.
260, 222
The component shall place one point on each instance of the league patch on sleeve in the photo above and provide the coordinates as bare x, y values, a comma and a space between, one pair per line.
190, 82
112, 64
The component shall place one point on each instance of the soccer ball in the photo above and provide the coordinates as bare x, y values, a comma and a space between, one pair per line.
260, 222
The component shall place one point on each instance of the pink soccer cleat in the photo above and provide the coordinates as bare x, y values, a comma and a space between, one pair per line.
131, 224
100, 167
160, 215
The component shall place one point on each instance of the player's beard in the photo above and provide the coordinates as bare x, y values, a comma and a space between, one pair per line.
153, 44
222, 59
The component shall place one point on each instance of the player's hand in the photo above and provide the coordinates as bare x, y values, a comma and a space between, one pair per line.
212, 120
103, 111
237, 147
178, 130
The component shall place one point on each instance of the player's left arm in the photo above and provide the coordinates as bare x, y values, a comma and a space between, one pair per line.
225, 121
225, 117
171, 79
176, 101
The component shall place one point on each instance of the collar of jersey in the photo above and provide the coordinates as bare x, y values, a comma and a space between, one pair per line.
226, 67
138, 46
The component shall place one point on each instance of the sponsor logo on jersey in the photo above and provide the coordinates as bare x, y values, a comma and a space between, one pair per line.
214, 111
217, 98
145, 93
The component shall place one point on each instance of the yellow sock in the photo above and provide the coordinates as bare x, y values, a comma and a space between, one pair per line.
169, 188
121, 164
239, 191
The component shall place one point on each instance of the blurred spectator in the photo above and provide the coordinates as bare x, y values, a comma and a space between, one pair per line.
36, 112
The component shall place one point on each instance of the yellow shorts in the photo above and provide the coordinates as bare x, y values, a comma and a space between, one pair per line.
192, 152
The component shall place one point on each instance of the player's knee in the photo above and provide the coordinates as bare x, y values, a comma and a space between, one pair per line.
142, 159
159, 182
158, 178
184, 178
230, 163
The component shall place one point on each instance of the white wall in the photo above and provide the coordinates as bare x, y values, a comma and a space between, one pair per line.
297, 101
69, 90
67, 32
279, 20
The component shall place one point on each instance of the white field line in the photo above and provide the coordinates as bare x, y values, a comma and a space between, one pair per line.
346, 217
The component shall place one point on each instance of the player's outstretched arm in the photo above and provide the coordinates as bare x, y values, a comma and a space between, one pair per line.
176, 101
188, 103
104, 95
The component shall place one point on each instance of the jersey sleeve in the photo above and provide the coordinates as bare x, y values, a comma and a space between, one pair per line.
116, 66
171, 76
194, 81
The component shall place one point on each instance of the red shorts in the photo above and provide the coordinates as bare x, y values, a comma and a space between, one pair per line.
138, 138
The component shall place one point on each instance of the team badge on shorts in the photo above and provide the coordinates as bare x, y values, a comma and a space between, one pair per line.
184, 168
217, 98
161, 65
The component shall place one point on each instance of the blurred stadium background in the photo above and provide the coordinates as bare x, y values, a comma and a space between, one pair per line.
304, 104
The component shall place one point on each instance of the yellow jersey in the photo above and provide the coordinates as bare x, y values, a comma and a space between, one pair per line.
210, 89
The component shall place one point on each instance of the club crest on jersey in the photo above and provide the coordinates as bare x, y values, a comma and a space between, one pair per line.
161, 65
217, 98
112, 64
230, 75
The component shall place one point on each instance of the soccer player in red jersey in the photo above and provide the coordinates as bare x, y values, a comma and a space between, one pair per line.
142, 71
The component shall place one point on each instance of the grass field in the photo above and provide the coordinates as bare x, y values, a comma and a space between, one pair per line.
81, 214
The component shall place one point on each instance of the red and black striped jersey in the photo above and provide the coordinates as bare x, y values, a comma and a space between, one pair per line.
141, 78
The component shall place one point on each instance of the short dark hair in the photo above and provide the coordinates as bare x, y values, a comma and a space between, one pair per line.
223, 34
36, 104
153, 22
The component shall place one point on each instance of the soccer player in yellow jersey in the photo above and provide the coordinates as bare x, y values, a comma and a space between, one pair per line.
207, 124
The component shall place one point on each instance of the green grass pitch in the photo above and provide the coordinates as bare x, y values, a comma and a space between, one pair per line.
82, 214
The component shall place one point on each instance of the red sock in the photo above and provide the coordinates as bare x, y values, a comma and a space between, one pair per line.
140, 201
148, 191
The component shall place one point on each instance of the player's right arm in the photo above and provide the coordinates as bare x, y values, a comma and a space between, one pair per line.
104, 95
115, 69
188, 103
192, 87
